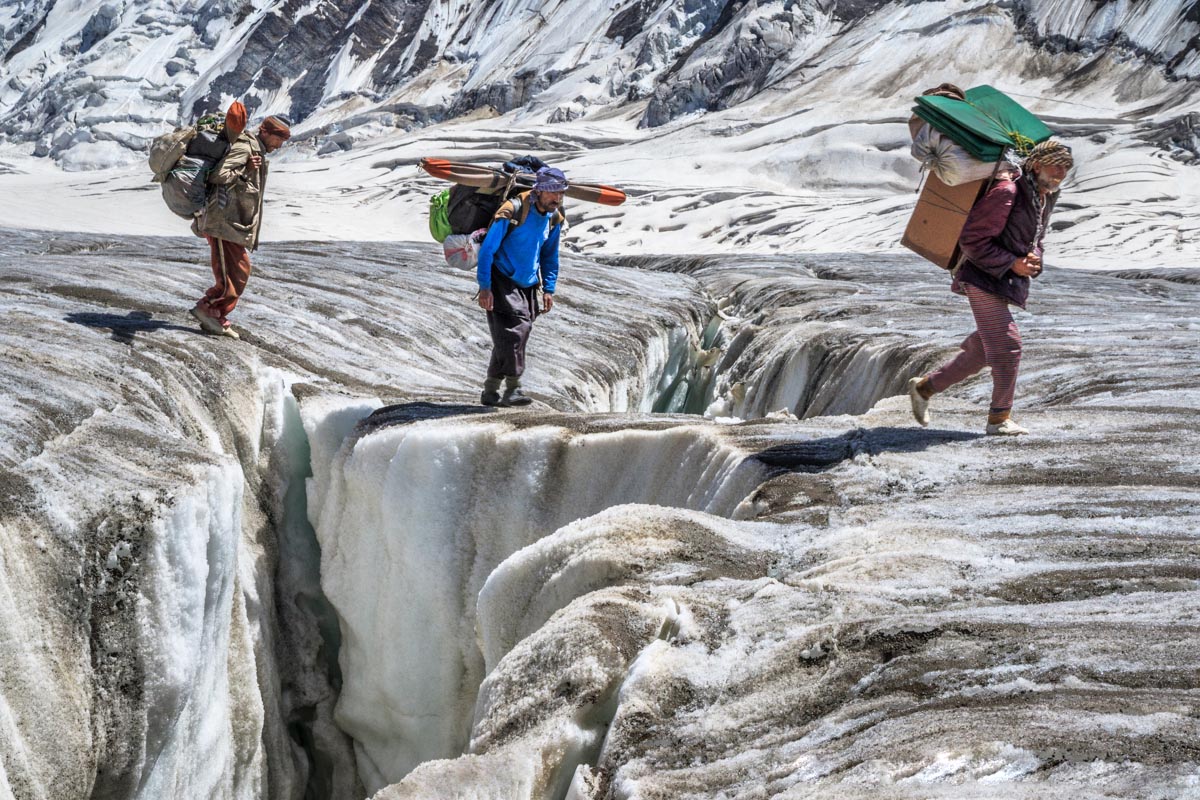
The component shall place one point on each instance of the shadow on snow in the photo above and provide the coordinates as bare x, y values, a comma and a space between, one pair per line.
816, 455
124, 328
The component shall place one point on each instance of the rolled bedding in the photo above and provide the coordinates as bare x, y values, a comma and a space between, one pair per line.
952, 164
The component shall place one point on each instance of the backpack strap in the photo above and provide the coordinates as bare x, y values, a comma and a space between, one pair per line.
516, 211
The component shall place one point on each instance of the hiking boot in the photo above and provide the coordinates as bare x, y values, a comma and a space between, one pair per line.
515, 397
1006, 428
920, 404
490, 397
208, 324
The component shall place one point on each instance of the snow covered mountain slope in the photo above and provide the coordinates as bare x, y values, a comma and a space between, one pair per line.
85, 61
762, 126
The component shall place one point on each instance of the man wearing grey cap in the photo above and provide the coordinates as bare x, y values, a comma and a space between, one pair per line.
519, 255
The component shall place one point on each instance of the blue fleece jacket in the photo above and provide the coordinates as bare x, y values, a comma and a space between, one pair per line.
518, 251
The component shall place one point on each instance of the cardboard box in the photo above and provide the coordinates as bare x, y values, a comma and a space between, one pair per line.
938, 219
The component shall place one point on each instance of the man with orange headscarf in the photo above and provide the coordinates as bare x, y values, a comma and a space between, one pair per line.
232, 218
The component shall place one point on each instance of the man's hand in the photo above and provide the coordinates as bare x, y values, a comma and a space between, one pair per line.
1027, 266
547, 302
485, 299
1035, 261
256, 162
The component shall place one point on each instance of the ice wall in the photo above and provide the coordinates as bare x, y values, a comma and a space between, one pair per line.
412, 521
204, 710
137, 617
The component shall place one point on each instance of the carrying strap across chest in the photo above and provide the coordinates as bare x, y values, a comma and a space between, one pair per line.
516, 211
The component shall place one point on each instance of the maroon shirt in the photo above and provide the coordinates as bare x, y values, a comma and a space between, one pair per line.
1002, 227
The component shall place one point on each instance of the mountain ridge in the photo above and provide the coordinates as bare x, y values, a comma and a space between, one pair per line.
77, 75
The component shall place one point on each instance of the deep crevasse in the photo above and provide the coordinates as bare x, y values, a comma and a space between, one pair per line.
237, 639
656, 379
210, 671
222, 689
413, 519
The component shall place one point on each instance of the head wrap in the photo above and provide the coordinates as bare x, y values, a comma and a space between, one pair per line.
550, 179
235, 120
276, 127
1050, 154
946, 90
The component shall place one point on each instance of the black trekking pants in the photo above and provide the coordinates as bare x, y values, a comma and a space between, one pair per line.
514, 308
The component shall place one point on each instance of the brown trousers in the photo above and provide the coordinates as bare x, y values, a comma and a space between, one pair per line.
231, 271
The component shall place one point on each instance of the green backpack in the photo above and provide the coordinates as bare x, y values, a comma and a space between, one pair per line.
439, 215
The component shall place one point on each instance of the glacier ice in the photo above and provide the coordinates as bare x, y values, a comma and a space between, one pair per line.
214, 571
658, 605
163, 618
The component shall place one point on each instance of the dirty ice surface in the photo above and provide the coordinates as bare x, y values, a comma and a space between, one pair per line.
225, 576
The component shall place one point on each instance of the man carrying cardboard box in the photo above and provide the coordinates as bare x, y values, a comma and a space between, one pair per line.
1002, 248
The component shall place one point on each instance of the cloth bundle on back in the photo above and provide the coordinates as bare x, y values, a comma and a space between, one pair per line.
182, 160
966, 140
962, 137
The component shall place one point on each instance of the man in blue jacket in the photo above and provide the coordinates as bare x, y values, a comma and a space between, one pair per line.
519, 255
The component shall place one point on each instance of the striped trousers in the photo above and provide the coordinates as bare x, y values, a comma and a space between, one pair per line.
996, 343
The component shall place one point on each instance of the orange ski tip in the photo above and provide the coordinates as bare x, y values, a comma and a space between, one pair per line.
437, 167
610, 196
449, 170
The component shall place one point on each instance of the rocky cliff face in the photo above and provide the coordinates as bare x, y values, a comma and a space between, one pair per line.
89, 82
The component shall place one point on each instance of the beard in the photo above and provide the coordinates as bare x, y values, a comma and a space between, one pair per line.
1045, 183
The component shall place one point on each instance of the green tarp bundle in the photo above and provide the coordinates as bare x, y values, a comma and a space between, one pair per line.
987, 124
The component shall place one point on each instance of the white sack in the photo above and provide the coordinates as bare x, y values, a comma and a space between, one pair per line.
950, 162
462, 249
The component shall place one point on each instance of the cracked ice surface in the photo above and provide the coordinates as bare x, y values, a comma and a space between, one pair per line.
150, 648
913, 613
837, 606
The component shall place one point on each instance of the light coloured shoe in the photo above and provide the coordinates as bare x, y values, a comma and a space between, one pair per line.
920, 405
227, 329
1006, 428
207, 324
